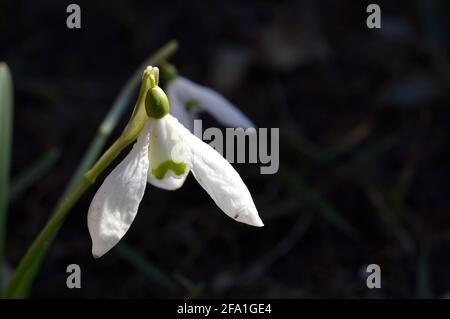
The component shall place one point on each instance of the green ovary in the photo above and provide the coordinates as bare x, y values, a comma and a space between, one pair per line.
160, 171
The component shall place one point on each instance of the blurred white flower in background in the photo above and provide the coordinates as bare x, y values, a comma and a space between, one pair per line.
187, 99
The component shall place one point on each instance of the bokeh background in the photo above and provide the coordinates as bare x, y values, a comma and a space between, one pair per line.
363, 117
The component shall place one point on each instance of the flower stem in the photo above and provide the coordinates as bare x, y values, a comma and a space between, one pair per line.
43, 240
82, 180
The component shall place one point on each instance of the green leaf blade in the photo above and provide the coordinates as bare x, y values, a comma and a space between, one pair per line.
6, 118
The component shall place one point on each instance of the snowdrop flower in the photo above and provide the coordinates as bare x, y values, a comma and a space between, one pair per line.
164, 153
187, 99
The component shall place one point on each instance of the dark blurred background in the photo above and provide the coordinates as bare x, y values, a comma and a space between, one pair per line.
363, 117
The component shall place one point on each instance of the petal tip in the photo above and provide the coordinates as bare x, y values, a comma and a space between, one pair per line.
252, 220
99, 249
260, 224
257, 222
96, 253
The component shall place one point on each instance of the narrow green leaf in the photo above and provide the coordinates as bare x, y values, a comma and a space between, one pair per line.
423, 289
146, 267
33, 173
323, 207
6, 119
346, 143
330, 213
196, 291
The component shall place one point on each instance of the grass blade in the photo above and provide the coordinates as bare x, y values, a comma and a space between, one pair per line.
322, 206
6, 119
196, 292
423, 289
33, 173
146, 267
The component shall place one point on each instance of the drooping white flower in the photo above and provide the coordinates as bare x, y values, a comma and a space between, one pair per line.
183, 92
164, 153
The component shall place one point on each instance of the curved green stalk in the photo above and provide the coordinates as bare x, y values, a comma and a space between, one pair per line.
43, 240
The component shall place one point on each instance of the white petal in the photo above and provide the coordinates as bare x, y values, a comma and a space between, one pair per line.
177, 108
218, 178
166, 146
212, 102
116, 202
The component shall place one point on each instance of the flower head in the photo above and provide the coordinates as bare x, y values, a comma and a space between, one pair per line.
164, 154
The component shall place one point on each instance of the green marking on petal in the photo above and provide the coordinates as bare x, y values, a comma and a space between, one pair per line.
163, 168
